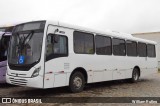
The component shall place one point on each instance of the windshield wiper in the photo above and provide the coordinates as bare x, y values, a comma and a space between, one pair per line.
23, 41
19, 45
28, 38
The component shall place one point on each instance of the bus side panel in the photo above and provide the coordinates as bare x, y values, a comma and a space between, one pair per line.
151, 67
97, 67
3, 74
119, 67
3, 68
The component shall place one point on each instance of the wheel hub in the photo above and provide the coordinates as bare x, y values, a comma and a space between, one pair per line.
77, 82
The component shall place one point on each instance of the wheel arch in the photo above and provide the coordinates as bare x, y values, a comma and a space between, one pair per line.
137, 67
82, 70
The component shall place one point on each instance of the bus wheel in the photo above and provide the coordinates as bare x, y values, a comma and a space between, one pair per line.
77, 82
135, 75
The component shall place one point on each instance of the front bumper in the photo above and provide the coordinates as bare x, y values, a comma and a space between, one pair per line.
36, 82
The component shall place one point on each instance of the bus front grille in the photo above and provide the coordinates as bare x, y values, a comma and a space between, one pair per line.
21, 82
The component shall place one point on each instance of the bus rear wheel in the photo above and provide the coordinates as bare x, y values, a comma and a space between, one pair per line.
135, 75
77, 82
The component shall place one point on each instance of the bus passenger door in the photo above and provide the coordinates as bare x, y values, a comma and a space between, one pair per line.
56, 53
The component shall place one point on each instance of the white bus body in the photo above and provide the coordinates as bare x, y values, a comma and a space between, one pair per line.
58, 70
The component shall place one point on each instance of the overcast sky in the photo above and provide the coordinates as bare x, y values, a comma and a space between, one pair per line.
130, 16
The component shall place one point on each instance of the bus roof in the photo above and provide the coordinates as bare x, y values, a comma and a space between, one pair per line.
7, 31
1, 33
115, 34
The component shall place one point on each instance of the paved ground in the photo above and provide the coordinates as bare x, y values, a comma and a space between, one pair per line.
147, 87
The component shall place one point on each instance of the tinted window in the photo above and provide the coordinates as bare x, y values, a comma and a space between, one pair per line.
103, 45
30, 26
56, 49
4, 42
131, 48
142, 49
118, 47
83, 43
151, 50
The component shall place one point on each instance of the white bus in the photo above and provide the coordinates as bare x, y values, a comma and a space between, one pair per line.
46, 54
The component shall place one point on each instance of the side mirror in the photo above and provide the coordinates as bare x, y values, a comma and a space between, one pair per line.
54, 38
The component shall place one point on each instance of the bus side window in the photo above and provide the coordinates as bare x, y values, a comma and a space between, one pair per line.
83, 43
103, 45
142, 49
131, 48
151, 50
119, 47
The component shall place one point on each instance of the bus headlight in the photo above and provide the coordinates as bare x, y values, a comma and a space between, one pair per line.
36, 72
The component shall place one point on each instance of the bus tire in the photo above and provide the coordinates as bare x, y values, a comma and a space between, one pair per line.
135, 75
77, 82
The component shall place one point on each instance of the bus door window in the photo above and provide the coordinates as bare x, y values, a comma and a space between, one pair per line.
56, 49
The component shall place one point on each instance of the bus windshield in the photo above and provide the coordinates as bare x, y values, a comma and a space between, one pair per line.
3, 47
26, 43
